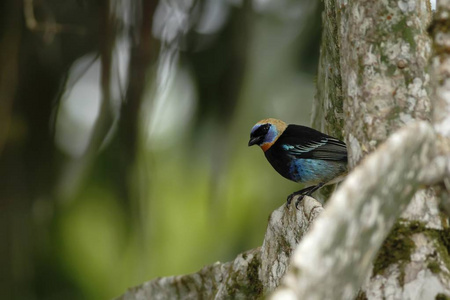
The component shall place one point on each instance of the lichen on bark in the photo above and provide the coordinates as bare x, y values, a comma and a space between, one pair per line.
384, 52
399, 246
384, 56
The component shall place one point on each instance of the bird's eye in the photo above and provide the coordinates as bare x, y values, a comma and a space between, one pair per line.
262, 130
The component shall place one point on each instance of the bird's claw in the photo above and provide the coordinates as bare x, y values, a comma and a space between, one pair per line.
297, 202
289, 200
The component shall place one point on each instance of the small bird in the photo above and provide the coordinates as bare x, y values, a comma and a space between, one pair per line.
301, 154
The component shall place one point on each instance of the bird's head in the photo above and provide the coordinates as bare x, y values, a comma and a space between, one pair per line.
266, 132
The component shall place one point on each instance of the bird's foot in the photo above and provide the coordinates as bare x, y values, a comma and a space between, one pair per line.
299, 199
297, 202
302, 193
289, 200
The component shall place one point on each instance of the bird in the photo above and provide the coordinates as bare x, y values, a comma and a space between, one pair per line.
301, 154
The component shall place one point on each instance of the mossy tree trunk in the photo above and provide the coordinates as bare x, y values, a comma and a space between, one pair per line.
384, 50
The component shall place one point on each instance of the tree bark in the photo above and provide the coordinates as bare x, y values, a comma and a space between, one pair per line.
385, 50
384, 56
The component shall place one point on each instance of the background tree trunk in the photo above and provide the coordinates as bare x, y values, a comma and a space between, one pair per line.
40, 42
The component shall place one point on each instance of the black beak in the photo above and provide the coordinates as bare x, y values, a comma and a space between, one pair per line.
253, 141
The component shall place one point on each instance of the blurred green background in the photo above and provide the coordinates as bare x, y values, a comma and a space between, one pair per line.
123, 136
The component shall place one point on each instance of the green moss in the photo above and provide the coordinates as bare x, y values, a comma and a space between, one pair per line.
406, 32
284, 246
361, 70
233, 289
391, 69
444, 220
394, 113
434, 267
442, 238
442, 297
361, 296
255, 287
445, 237
252, 287
384, 58
397, 248
414, 226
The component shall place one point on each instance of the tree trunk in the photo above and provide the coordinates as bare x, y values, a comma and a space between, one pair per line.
384, 56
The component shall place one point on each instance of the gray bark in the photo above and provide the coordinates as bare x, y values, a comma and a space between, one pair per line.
384, 56
385, 51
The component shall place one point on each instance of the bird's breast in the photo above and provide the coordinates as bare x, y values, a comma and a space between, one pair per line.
313, 171
309, 171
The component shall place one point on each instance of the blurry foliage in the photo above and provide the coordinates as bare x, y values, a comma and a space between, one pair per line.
123, 133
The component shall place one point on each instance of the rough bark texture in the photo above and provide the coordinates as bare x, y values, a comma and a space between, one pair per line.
422, 265
251, 274
385, 51
284, 232
384, 56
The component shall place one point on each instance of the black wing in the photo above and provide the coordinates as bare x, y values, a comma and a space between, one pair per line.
305, 142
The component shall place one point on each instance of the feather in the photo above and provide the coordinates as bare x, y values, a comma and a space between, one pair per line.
303, 142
